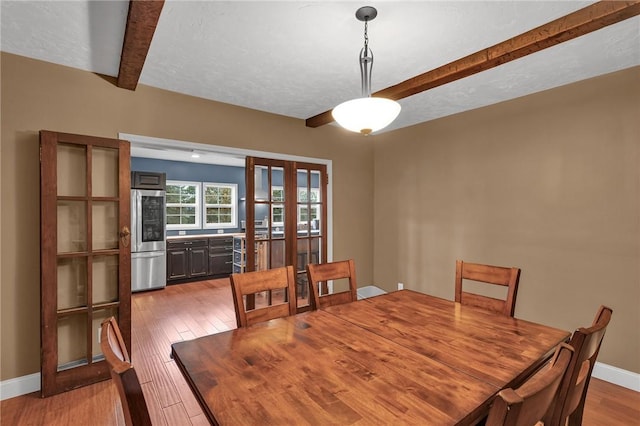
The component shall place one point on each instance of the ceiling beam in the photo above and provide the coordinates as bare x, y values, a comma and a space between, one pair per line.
573, 25
141, 24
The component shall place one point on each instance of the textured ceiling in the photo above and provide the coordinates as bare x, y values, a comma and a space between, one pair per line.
299, 58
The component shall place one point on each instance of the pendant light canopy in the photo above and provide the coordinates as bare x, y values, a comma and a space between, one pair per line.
366, 114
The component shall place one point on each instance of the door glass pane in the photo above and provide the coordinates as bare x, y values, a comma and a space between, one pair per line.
105, 225
277, 182
315, 213
72, 170
302, 254
99, 316
302, 185
72, 282
72, 226
104, 172
316, 255
277, 254
105, 279
261, 190
277, 220
262, 255
72, 341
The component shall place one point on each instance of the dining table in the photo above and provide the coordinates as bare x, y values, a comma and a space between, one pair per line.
403, 357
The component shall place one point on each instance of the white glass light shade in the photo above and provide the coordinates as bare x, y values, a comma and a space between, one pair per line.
366, 115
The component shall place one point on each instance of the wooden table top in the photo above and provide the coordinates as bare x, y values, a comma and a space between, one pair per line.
349, 365
497, 349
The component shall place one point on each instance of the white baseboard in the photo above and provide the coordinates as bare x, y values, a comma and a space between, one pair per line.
31, 383
19, 386
617, 376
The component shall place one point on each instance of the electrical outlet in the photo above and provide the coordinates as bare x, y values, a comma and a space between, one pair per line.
220, 231
400, 286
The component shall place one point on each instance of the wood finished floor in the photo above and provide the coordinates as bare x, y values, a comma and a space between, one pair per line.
186, 311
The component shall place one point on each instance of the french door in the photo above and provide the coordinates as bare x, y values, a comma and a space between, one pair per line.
85, 257
286, 217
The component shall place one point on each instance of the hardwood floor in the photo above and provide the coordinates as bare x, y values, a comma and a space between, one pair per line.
186, 311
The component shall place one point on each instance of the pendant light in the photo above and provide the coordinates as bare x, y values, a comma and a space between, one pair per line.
366, 114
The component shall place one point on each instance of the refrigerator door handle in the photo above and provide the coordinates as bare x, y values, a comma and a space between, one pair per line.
146, 254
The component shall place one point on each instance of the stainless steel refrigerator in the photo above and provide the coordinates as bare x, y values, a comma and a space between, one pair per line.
148, 235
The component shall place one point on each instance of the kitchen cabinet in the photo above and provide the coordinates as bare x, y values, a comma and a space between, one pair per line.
187, 258
199, 258
220, 256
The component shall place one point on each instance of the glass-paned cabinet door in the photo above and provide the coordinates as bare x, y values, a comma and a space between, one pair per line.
84, 252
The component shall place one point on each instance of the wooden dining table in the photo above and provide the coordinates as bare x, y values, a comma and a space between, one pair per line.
398, 358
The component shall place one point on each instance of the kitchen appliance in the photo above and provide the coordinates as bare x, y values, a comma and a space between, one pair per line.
148, 231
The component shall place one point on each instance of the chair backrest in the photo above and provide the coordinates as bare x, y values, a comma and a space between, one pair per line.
323, 272
586, 343
495, 275
532, 401
134, 406
250, 283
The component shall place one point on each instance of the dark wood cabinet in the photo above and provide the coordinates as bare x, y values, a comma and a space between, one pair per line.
177, 262
187, 258
197, 258
220, 256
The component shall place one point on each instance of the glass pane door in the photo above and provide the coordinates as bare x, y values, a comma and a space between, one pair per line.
286, 217
85, 254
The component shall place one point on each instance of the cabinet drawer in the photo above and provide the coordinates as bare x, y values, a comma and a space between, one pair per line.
221, 242
187, 243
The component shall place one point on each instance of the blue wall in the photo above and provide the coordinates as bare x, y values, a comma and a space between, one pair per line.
195, 172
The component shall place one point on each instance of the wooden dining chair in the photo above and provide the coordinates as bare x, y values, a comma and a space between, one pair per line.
249, 284
494, 275
134, 406
586, 343
324, 272
529, 404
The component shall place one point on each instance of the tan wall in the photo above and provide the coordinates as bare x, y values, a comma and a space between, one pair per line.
549, 183
38, 95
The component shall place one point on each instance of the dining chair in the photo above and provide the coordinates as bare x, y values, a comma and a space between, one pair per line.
488, 274
529, 404
324, 272
249, 284
586, 343
134, 406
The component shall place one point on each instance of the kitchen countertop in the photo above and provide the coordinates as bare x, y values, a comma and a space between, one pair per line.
184, 237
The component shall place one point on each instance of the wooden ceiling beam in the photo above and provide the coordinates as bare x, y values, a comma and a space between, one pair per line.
573, 25
141, 24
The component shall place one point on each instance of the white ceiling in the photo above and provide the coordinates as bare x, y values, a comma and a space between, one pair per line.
299, 58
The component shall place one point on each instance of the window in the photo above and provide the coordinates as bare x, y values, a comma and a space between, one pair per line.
277, 210
183, 205
220, 205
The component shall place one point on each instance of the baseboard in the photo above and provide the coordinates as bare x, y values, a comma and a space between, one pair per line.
31, 383
617, 376
19, 386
